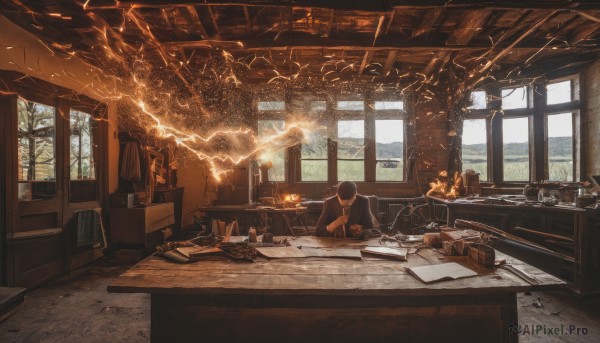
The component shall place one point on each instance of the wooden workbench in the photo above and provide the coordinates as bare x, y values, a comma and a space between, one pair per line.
582, 267
332, 300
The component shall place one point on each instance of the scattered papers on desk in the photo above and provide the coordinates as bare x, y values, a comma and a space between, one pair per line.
440, 272
394, 253
332, 252
281, 252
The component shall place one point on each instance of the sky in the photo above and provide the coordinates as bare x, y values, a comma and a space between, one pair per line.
386, 131
515, 130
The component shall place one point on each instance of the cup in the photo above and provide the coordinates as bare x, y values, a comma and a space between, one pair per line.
356, 230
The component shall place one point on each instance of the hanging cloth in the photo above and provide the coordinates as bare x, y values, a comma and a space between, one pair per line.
130, 164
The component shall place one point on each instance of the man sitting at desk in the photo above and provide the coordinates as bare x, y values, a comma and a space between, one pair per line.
343, 210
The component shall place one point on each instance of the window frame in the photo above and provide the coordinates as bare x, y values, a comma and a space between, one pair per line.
329, 119
537, 112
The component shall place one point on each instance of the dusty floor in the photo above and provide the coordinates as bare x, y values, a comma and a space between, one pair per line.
77, 308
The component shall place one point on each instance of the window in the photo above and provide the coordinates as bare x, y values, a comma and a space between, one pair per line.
351, 105
318, 106
271, 106
478, 100
558, 92
276, 158
474, 147
36, 150
514, 98
388, 105
313, 154
351, 150
560, 147
314, 157
515, 141
389, 140
82, 151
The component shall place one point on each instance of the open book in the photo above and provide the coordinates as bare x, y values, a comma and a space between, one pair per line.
440, 272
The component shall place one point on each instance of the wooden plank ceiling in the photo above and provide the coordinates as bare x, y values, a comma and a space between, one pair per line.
332, 41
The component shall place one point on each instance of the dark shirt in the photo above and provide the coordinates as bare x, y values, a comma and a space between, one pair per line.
359, 213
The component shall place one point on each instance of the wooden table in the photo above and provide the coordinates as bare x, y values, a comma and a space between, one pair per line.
331, 300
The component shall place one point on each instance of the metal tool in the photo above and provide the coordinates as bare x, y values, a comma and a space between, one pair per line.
344, 212
522, 274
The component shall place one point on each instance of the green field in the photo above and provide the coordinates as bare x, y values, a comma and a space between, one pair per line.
516, 160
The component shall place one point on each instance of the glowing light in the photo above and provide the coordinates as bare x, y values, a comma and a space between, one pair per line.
444, 187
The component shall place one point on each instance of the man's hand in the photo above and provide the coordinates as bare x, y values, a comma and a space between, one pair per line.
341, 220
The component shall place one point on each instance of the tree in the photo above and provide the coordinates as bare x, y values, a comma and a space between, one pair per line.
36, 139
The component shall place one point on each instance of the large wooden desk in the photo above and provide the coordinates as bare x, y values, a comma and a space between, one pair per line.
327, 300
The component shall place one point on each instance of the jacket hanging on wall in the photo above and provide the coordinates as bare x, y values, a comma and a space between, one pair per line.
130, 164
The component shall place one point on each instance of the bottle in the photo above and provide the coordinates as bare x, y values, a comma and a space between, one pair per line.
252, 235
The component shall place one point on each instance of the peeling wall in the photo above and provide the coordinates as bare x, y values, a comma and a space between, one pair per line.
21, 51
590, 124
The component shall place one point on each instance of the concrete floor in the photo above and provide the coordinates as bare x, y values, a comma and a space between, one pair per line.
77, 308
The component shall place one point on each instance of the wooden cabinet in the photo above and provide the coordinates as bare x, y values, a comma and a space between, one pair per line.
174, 195
140, 226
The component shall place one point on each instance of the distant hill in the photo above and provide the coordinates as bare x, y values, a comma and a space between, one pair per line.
348, 146
557, 146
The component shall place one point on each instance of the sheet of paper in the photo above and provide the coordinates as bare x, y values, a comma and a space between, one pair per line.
332, 252
281, 252
440, 272
396, 253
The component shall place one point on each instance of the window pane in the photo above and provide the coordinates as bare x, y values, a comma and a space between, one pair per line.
478, 99
276, 157
271, 105
36, 162
314, 170
560, 147
389, 146
314, 148
389, 105
351, 145
351, 105
351, 170
516, 149
514, 98
474, 147
82, 152
559, 92
318, 106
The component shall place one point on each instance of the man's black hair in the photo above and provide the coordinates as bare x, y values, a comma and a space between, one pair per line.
346, 190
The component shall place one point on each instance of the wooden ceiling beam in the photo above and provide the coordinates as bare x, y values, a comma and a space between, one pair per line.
389, 61
370, 6
311, 44
583, 32
365, 61
214, 22
197, 22
427, 22
471, 23
390, 21
437, 62
248, 21
330, 22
